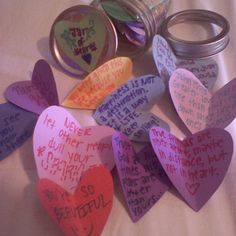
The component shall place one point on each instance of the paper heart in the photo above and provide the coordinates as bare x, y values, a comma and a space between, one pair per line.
97, 85
206, 70
87, 58
37, 94
126, 108
87, 35
86, 211
63, 150
197, 107
141, 175
16, 126
197, 165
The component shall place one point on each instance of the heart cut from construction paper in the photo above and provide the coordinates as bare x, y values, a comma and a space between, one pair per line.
16, 126
142, 178
197, 165
86, 211
126, 109
63, 150
206, 70
197, 107
37, 94
91, 91
87, 36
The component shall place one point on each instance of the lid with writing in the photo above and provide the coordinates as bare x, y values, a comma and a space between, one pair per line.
82, 38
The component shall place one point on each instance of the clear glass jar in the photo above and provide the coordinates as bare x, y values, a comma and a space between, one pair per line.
150, 12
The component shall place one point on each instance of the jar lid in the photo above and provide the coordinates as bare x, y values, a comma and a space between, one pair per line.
202, 48
82, 38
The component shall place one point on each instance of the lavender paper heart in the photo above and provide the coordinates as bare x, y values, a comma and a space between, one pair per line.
142, 178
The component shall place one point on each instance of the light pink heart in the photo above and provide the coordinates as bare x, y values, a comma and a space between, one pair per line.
63, 150
197, 165
166, 62
197, 107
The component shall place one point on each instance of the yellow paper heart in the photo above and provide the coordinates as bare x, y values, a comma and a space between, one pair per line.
97, 85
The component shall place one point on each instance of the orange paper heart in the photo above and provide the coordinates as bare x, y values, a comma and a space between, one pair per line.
86, 211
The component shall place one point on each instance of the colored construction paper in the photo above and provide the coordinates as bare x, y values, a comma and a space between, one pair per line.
116, 11
37, 94
90, 92
44, 81
206, 70
197, 165
63, 150
16, 126
197, 107
86, 211
141, 175
127, 108
83, 40
134, 37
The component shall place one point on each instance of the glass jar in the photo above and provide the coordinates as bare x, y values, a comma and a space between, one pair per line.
150, 13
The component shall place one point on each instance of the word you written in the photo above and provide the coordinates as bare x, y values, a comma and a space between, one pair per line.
63, 150
142, 178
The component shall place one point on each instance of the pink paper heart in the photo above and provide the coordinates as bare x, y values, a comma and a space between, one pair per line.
197, 107
35, 95
63, 150
166, 62
141, 175
197, 165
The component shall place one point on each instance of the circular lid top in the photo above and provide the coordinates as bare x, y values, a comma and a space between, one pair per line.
82, 38
202, 48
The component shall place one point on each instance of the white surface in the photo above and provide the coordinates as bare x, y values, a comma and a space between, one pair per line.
24, 30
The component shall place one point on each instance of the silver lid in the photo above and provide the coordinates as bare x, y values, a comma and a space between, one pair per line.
196, 49
81, 39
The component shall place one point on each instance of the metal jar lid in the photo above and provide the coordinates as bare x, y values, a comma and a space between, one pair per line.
197, 49
81, 39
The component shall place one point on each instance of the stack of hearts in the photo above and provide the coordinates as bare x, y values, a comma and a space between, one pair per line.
74, 163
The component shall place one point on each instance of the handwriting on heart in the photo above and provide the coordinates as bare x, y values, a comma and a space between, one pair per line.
141, 175
16, 126
197, 107
97, 85
63, 150
37, 94
206, 70
83, 41
197, 165
86, 211
126, 108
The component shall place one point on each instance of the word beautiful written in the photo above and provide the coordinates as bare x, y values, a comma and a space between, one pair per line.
68, 152
76, 212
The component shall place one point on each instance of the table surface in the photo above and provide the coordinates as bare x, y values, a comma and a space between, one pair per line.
24, 30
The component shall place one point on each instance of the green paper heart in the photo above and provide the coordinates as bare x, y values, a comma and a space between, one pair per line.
82, 41
116, 11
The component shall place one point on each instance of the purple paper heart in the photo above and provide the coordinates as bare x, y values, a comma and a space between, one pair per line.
16, 126
35, 95
197, 165
44, 81
142, 178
